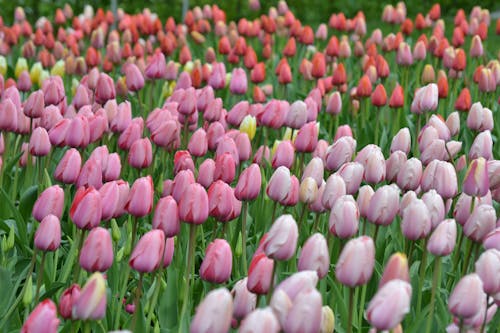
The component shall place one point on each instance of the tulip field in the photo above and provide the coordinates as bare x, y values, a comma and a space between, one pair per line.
208, 174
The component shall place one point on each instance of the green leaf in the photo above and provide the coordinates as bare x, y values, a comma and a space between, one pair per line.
6, 291
27, 201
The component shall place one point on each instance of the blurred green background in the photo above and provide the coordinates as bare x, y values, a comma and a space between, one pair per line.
309, 11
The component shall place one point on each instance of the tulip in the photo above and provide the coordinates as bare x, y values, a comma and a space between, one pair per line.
426, 99
217, 264
249, 183
279, 184
396, 268
105, 89
67, 300
442, 177
305, 313
211, 318
307, 138
260, 320
148, 253
141, 154
334, 105
248, 126
397, 97
481, 222
42, 319
90, 174
479, 118
198, 144
34, 105
48, 234
352, 174
157, 67
225, 167
244, 300
389, 305
297, 115
314, 255
476, 182
134, 78
416, 220
284, 155
340, 152
140, 199
238, 83
281, 240
293, 286
97, 251
466, 298
50, 201
86, 209
344, 217
91, 304
193, 205
491, 240
166, 216
383, 205
356, 262
260, 274
482, 146
401, 141
488, 268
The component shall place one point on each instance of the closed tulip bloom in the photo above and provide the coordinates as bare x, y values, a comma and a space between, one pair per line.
105, 89
113, 168
134, 78
305, 313
307, 138
334, 105
279, 184
365, 194
443, 238
140, 155
426, 99
222, 203
491, 241
9, 116
131, 134
166, 216
297, 115
356, 262
181, 181
198, 144
110, 196
482, 146
50, 201
214, 313
397, 97
344, 217
479, 118
394, 164
217, 79
217, 264
238, 84
389, 305
481, 222
48, 234
157, 67
401, 141
410, 174
352, 173
140, 198
226, 144
416, 220
68, 169
193, 205
78, 132
91, 304
374, 166
379, 96
453, 123
383, 205
34, 105
148, 253
442, 177
260, 274
97, 251
281, 240
476, 182
90, 174
488, 269
244, 300
249, 183
225, 167
314, 255
284, 155
86, 209
436, 207
466, 298
67, 299
404, 56
43, 319
206, 173
260, 320
396, 268
339, 153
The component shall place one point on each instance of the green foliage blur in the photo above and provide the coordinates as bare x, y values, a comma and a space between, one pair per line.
311, 11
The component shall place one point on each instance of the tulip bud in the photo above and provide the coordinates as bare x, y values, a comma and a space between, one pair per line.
42, 319
480, 222
260, 320
244, 300
281, 240
211, 318
193, 205
50, 201
97, 251
148, 253
466, 298
67, 300
86, 209
383, 205
48, 234
356, 262
279, 184
488, 269
140, 199
344, 217
305, 313
217, 264
396, 268
314, 255
91, 304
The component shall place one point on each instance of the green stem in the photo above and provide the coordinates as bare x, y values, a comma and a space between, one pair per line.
76, 270
244, 237
468, 253
189, 269
362, 307
271, 287
137, 299
421, 275
39, 277
351, 310
436, 281
86, 327
485, 318
154, 300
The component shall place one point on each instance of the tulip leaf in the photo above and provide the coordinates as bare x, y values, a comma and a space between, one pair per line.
27, 201
20, 223
6, 291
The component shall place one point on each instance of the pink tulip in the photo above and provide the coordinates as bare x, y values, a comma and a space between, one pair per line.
193, 205
488, 269
86, 209
67, 300
426, 99
491, 241
314, 255
344, 217
274, 114
479, 118
91, 304
401, 141
244, 300
279, 184
39, 142
97, 251
113, 168
305, 313
334, 105
260, 274
198, 144
281, 240
34, 105
141, 154
217, 79
90, 174
307, 138
466, 298
105, 89
140, 199
226, 144
157, 67
249, 183
110, 195
482, 146
132, 133
284, 155
365, 194
53, 90
225, 168
435, 206
352, 174
123, 117
166, 216
297, 115
340, 152
481, 222
356, 262
442, 177
206, 173
396, 268
383, 205
50, 201
48, 234
214, 313
238, 84
134, 78
260, 320
43, 319
78, 132
292, 198
394, 164
221, 201
389, 305
168, 254
294, 285
410, 174
476, 182
148, 253
82, 97
416, 220
217, 264
8, 118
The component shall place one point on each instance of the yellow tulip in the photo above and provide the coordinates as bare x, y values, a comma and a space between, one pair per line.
275, 146
249, 126
21, 65
74, 85
35, 72
59, 68
288, 134
188, 67
327, 320
43, 76
3, 65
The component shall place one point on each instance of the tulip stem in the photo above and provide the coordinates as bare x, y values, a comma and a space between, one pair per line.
244, 237
351, 309
375, 234
468, 254
410, 252
39, 277
76, 271
316, 223
485, 318
86, 327
137, 299
362, 307
422, 275
271, 286
189, 269
154, 300
436, 281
